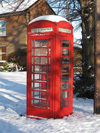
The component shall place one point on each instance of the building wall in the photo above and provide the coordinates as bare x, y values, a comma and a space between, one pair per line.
16, 26
16, 33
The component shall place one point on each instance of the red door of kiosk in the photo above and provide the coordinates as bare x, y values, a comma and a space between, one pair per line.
40, 76
66, 75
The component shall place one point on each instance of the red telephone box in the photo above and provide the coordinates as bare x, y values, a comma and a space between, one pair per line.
49, 67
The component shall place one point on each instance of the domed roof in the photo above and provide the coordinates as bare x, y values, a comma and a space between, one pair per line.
52, 18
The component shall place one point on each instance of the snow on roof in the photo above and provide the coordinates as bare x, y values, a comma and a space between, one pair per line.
9, 7
52, 18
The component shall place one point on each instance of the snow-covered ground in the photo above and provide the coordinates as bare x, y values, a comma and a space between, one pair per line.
13, 106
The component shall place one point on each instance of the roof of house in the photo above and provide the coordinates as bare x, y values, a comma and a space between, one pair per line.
11, 6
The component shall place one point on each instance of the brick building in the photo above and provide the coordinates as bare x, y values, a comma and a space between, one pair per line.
13, 24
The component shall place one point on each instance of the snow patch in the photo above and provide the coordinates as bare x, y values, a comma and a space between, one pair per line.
10, 7
13, 114
88, 37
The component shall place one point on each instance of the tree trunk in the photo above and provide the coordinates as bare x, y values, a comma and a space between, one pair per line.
87, 15
67, 9
97, 58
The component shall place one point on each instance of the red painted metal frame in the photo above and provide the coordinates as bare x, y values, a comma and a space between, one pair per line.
56, 37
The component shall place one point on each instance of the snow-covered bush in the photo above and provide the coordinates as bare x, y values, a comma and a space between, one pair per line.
8, 67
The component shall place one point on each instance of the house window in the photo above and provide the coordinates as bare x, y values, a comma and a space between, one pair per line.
2, 52
2, 27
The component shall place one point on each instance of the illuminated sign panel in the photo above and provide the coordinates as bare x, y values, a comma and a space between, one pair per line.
42, 30
65, 30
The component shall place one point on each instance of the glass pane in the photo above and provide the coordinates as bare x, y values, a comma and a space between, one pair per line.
40, 86
2, 27
0, 50
0, 54
32, 51
31, 94
31, 102
40, 104
41, 52
49, 43
41, 69
65, 78
41, 43
31, 76
65, 103
65, 60
32, 85
65, 94
32, 68
40, 60
0, 57
49, 51
32, 60
49, 60
65, 86
48, 100
65, 43
40, 95
48, 104
65, 52
40, 77
65, 69
32, 43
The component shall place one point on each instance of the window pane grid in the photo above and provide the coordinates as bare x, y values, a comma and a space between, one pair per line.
65, 73
48, 75
40, 76
40, 104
